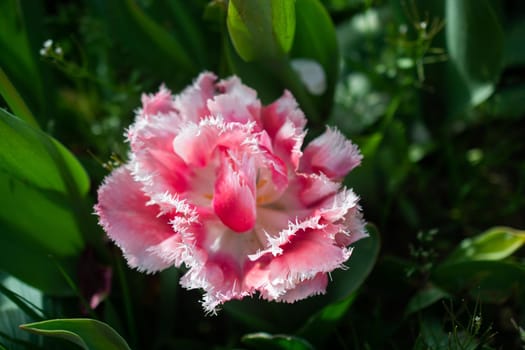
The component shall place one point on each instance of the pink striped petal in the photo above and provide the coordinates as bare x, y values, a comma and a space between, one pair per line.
307, 288
192, 102
303, 257
331, 154
285, 123
234, 198
128, 220
159, 103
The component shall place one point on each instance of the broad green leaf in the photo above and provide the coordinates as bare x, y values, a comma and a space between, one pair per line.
424, 298
495, 244
475, 45
20, 39
25, 305
514, 48
323, 323
15, 101
31, 156
87, 333
42, 195
316, 40
490, 281
261, 29
265, 341
18, 303
360, 264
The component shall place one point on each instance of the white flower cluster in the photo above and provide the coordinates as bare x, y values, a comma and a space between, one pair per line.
50, 50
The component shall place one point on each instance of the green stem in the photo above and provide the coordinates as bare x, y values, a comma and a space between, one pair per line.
128, 308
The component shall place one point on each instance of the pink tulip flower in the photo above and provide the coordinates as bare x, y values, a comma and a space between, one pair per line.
220, 184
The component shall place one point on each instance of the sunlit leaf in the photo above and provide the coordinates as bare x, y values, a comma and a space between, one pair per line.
42, 195
25, 305
475, 46
18, 304
265, 341
87, 333
261, 29
495, 244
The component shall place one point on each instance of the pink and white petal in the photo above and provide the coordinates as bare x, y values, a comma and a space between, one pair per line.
216, 263
307, 254
336, 207
331, 154
272, 177
307, 288
288, 142
196, 143
354, 228
159, 171
192, 102
156, 131
219, 281
276, 114
132, 224
234, 199
159, 103
315, 189
232, 108
285, 123
236, 102
274, 239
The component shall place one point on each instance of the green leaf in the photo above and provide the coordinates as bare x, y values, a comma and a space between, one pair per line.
33, 157
514, 48
261, 29
424, 298
18, 303
149, 44
265, 341
475, 45
87, 333
42, 195
490, 281
28, 307
15, 101
323, 323
20, 40
316, 39
495, 244
360, 264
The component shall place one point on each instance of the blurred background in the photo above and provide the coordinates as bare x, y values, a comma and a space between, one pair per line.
432, 91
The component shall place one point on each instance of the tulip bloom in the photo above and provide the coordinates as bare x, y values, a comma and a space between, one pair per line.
222, 185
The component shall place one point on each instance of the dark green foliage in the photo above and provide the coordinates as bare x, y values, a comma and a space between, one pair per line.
432, 91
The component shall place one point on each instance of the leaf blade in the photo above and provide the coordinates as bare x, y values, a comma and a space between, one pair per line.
88, 333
